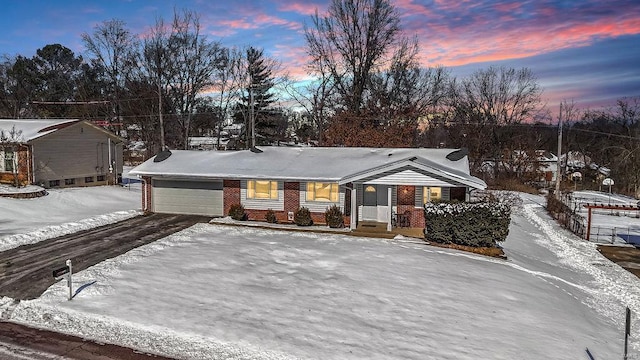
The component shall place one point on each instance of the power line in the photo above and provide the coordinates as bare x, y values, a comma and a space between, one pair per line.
95, 102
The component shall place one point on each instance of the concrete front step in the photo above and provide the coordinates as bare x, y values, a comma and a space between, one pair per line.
377, 229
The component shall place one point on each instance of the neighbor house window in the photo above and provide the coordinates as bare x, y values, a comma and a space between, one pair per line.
69, 181
7, 158
53, 183
432, 194
100, 178
262, 189
88, 179
320, 191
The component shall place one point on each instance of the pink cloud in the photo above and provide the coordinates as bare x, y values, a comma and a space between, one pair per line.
410, 7
303, 8
477, 42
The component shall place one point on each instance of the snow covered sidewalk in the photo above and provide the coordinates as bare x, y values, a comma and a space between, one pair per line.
214, 292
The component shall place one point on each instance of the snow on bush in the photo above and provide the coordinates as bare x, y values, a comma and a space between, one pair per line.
470, 224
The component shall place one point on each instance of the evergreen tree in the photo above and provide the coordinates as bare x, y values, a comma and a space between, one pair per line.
257, 99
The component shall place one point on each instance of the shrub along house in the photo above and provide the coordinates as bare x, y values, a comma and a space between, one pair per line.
367, 184
58, 153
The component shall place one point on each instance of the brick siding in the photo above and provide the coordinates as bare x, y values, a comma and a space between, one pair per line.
416, 215
24, 168
291, 197
406, 195
231, 194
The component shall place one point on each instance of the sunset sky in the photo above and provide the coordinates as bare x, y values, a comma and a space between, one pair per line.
587, 51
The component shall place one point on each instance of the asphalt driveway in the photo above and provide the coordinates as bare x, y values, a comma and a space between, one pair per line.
26, 271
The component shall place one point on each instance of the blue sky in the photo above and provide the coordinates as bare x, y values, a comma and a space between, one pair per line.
587, 51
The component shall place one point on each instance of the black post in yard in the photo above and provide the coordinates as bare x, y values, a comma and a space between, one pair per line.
627, 332
589, 354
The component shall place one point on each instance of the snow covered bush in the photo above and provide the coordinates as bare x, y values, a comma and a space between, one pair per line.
333, 217
236, 211
302, 217
470, 224
270, 216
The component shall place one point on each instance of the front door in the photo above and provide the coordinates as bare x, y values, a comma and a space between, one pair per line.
375, 203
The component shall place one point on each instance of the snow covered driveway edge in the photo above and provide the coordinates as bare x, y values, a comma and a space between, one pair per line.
13, 241
612, 288
144, 338
102, 328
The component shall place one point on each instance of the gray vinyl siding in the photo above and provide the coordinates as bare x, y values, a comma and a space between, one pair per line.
446, 194
262, 204
75, 152
321, 206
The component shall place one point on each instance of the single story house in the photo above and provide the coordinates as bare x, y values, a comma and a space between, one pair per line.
58, 153
368, 184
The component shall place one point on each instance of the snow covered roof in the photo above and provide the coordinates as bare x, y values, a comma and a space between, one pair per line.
30, 129
302, 163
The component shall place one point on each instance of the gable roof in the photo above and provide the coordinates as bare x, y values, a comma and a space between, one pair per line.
419, 170
31, 129
336, 164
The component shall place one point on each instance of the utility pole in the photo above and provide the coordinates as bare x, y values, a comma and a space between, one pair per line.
559, 167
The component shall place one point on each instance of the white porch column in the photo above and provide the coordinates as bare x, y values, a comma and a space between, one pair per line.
389, 207
354, 207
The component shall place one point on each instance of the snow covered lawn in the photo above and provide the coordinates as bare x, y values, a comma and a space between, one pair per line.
64, 211
218, 292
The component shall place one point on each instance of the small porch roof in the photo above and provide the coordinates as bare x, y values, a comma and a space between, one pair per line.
415, 171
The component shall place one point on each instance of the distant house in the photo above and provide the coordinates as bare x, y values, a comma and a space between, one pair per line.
548, 165
367, 184
207, 143
58, 153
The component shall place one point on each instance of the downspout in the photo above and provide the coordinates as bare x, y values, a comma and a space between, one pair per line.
110, 165
144, 193
33, 165
389, 206
353, 222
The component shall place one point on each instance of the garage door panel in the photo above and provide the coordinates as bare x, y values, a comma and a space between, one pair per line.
175, 184
188, 197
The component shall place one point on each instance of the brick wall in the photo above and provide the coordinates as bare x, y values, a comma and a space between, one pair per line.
24, 168
231, 194
416, 215
406, 195
291, 197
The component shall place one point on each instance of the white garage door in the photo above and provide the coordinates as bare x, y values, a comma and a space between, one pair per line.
188, 197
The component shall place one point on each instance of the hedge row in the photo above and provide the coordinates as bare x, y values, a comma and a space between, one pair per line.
470, 224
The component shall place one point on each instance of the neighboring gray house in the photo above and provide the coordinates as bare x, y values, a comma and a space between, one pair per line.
60, 153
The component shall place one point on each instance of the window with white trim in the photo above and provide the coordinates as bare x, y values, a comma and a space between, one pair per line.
431, 194
321, 191
7, 160
262, 189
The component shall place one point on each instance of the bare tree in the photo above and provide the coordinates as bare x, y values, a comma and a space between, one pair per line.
10, 143
350, 43
497, 95
157, 67
196, 62
485, 104
113, 47
228, 81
